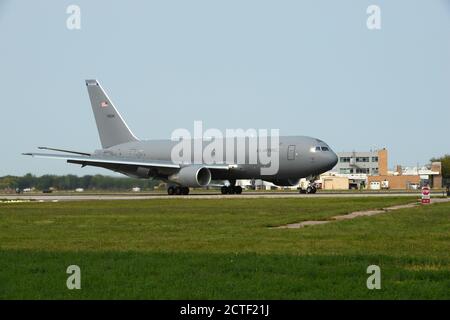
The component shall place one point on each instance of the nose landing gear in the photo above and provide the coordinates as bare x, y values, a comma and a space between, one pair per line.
308, 190
307, 187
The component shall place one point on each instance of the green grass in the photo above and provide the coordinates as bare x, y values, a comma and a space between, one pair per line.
223, 249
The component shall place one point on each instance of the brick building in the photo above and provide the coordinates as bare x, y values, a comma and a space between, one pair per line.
364, 168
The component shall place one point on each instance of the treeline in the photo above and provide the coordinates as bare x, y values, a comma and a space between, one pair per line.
445, 162
72, 182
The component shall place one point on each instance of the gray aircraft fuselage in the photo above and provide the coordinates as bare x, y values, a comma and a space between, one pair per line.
299, 157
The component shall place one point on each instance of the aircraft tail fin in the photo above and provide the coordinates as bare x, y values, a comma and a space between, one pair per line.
112, 129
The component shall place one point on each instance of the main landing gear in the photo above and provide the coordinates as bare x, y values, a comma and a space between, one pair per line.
177, 190
231, 190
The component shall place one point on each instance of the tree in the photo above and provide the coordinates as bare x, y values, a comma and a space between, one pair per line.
45, 182
445, 161
8, 182
27, 181
71, 182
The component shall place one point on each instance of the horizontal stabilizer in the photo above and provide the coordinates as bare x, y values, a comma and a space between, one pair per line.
63, 150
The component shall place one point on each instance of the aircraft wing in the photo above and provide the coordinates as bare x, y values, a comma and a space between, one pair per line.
85, 160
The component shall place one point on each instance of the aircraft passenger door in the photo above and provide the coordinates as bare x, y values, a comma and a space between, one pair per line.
291, 152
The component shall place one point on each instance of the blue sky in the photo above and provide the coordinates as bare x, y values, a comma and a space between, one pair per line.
305, 67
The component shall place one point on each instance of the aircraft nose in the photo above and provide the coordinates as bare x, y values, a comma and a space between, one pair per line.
331, 161
334, 159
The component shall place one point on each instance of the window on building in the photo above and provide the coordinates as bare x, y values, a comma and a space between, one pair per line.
362, 170
362, 159
374, 159
344, 159
345, 170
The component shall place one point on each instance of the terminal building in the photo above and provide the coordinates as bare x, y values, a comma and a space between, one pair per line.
366, 163
410, 178
356, 167
370, 170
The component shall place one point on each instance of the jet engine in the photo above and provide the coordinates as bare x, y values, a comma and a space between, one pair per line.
192, 176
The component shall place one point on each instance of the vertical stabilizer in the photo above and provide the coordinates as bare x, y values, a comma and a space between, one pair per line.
112, 129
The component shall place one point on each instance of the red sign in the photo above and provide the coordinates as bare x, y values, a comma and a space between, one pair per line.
426, 197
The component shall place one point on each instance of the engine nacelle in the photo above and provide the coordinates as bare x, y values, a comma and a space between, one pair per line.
192, 176
286, 182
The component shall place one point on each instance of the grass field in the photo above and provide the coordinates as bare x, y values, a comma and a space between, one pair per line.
223, 249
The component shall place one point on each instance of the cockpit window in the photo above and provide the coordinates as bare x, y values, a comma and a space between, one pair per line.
319, 148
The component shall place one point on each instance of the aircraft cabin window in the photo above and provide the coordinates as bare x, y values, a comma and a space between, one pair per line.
317, 148
325, 149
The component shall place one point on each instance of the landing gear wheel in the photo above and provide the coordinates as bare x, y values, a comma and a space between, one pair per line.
185, 190
314, 190
224, 190
170, 191
309, 190
178, 191
231, 190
